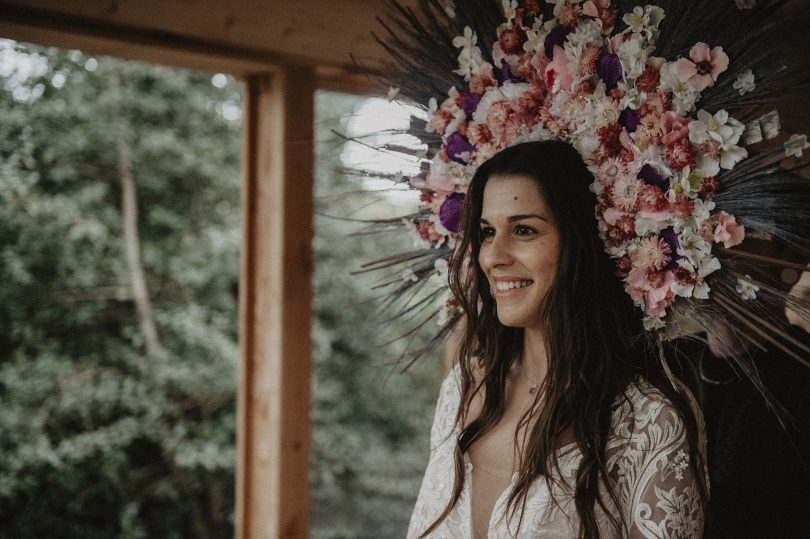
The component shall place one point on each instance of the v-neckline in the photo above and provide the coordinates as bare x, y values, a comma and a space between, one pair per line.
496, 509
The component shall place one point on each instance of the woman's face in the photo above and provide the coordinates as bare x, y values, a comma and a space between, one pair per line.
519, 248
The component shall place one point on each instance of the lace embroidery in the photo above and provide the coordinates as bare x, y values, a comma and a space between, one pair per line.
647, 456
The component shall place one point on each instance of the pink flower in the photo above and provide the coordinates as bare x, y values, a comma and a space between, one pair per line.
610, 169
624, 193
558, 74
649, 130
704, 68
653, 287
652, 253
482, 80
674, 128
602, 10
478, 134
728, 231
652, 199
656, 104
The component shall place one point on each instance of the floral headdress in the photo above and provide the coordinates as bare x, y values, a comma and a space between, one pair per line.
671, 109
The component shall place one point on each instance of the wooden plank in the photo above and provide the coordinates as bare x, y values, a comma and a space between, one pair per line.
272, 487
278, 32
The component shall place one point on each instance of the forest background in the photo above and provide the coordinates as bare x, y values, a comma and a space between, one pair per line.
119, 262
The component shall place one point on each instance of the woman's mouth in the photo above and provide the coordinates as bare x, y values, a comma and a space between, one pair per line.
511, 286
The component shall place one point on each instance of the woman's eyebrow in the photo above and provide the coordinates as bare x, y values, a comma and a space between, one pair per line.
513, 218
521, 217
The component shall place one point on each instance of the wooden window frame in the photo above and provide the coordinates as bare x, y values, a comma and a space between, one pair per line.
275, 292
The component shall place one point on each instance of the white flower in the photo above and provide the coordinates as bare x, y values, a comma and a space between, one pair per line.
693, 247
450, 9
725, 132
702, 210
633, 57
716, 127
588, 33
645, 21
746, 4
392, 93
470, 59
509, 9
746, 289
468, 40
690, 182
745, 82
700, 290
683, 95
796, 145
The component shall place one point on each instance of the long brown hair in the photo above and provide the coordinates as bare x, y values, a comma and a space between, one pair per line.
592, 338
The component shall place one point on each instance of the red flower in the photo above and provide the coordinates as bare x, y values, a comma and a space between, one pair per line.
512, 39
652, 199
624, 264
609, 139
681, 154
684, 276
649, 80
683, 206
710, 187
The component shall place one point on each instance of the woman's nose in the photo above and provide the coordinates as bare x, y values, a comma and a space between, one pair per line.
495, 253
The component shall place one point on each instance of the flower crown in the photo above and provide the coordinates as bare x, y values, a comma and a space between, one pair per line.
657, 158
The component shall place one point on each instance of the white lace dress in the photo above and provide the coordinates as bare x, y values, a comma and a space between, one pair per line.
648, 458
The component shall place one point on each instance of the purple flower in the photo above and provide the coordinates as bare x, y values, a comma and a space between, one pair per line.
451, 210
671, 238
609, 69
457, 145
629, 119
469, 103
505, 74
650, 175
556, 38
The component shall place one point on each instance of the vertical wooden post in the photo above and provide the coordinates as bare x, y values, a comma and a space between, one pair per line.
272, 486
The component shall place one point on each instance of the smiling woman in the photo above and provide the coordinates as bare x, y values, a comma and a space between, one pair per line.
553, 421
519, 248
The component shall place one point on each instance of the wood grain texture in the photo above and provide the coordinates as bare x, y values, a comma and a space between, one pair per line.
275, 297
252, 34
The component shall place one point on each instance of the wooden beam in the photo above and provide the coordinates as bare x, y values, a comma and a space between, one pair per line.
272, 488
233, 36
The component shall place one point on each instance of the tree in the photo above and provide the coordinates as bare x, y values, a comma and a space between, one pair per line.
118, 285
119, 250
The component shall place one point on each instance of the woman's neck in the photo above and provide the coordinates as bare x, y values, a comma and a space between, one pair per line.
535, 360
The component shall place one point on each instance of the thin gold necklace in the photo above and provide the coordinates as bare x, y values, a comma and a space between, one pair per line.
533, 387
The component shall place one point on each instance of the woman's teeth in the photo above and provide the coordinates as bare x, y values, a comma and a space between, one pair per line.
503, 286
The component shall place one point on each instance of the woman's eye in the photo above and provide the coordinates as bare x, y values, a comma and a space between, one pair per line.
487, 233
523, 230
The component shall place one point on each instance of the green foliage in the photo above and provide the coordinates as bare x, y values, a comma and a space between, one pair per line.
96, 438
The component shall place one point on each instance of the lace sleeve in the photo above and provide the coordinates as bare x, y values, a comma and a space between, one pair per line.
657, 486
434, 492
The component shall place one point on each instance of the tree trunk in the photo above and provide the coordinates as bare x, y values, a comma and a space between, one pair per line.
132, 242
